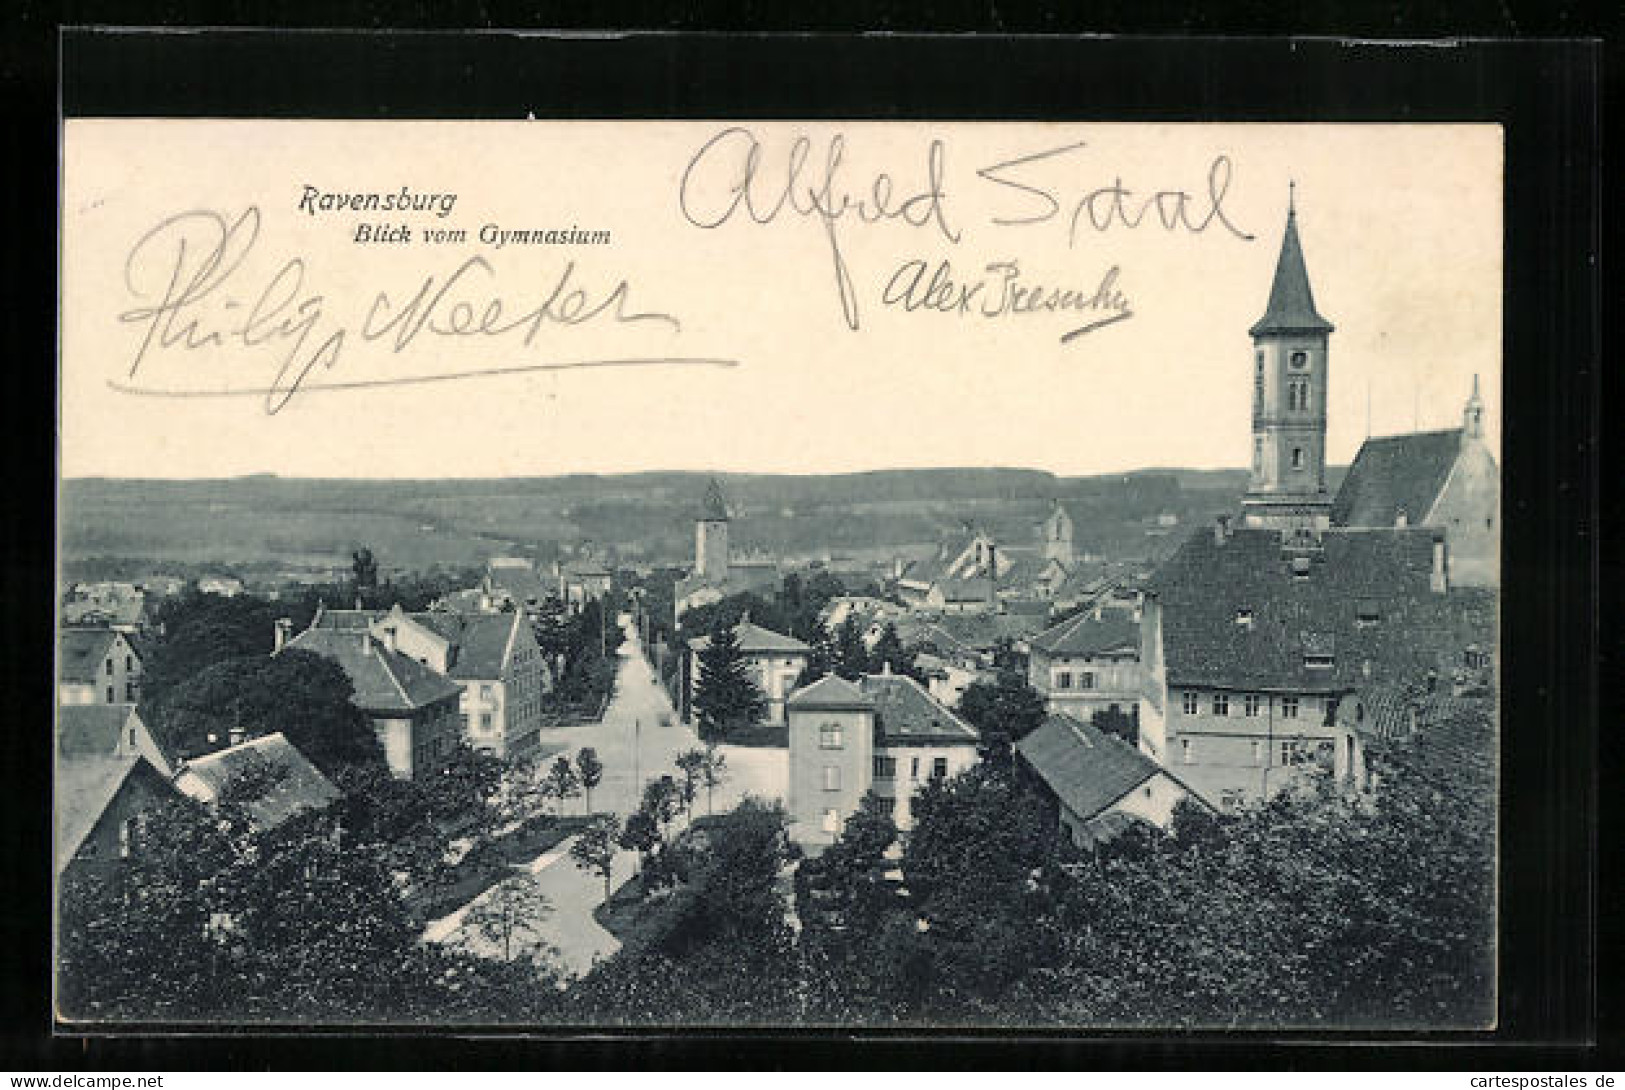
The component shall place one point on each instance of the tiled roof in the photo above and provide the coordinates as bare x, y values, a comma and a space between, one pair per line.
83, 651
1208, 588
301, 785
85, 786
1086, 634
107, 609
345, 620
481, 640
1396, 473
383, 680
830, 692
91, 730
754, 639
905, 713
1291, 307
1087, 768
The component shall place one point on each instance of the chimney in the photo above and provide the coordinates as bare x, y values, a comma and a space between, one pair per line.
284, 625
885, 668
1439, 580
389, 637
1401, 520
1221, 529
236, 736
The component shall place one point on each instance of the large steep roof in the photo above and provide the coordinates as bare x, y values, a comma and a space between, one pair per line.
1396, 473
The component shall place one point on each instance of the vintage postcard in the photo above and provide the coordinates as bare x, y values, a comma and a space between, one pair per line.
778, 574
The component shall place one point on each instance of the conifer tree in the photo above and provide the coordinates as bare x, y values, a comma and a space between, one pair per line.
725, 695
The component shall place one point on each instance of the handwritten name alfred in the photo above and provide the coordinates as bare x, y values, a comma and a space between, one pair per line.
732, 178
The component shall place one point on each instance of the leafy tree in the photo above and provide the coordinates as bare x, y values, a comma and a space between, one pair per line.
890, 653
303, 695
364, 574
590, 770
512, 915
662, 799
199, 630
1003, 712
691, 763
640, 834
713, 773
851, 656
562, 782
594, 848
725, 695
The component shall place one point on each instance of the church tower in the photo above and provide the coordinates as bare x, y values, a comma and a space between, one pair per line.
1056, 532
1287, 487
711, 536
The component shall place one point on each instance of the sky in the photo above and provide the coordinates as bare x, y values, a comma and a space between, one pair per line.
196, 253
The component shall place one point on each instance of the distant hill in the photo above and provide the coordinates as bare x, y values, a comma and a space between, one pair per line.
264, 522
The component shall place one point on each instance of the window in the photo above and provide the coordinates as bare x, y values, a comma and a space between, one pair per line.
1250, 705
832, 777
1221, 703
1258, 454
885, 767
914, 769
126, 838
939, 767
129, 663
1230, 800
832, 822
1185, 750
1086, 680
1289, 707
132, 736
1188, 703
1289, 753
1063, 679
1297, 457
1258, 753
829, 736
129, 691
1258, 385
108, 664
485, 721
1300, 360
111, 699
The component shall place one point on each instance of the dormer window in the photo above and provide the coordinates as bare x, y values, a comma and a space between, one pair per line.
1367, 614
1300, 567
1316, 660
1244, 617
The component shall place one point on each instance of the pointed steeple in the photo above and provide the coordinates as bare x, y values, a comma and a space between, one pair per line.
1472, 415
1292, 305
715, 508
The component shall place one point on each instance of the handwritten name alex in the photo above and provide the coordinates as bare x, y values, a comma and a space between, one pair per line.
191, 275
731, 178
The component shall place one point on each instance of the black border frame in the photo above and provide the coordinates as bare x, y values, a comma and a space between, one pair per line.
1546, 94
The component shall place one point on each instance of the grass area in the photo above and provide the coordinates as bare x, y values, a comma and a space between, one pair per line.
628, 915
484, 868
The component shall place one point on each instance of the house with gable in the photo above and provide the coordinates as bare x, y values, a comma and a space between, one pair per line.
97, 666
414, 709
107, 730
1252, 637
1088, 663
100, 803
1102, 785
774, 661
884, 733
